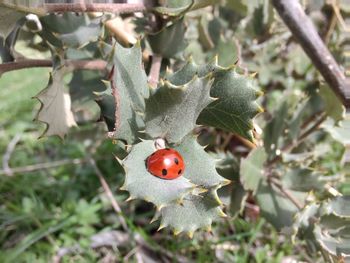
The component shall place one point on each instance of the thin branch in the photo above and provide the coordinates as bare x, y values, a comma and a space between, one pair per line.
7, 156
109, 194
306, 34
96, 7
153, 77
35, 63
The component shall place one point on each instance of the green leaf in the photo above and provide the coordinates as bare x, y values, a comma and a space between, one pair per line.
199, 165
71, 30
275, 207
303, 223
141, 184
194, 212
83, 35
304, 180
274, 130
55, 108
106, 103
179, 7
8, 19
341, 132
333, 106
339, 206
252, 169
172, 111
170, 41
84, 83
235, 106
337, 248
130, 82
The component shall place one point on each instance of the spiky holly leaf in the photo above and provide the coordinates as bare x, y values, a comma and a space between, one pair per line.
172, 111
8, 19
194, 212
179, 7
235, 106
199, 165
55, 108
170, 40
252, 169
141, 184
130, 88
275, 207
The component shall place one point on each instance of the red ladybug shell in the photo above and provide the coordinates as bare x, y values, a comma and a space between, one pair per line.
166, 164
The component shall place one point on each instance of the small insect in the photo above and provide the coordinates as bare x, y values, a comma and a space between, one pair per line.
166, 164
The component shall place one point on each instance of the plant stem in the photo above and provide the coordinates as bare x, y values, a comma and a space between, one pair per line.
155, 69
306, 34
33, 63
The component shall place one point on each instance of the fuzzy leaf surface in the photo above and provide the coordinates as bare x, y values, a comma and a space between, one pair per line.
199, 165
172, 111
142, 184
55, 108
235, 106
195, 211
252, 169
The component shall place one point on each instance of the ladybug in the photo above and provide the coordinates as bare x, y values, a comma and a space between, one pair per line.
166, 164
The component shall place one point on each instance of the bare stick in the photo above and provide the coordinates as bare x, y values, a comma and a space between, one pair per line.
109, 193
34, 63
96, 7
7, 156
155, 69
306, 34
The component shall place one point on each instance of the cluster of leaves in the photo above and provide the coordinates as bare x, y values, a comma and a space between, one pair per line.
292, 165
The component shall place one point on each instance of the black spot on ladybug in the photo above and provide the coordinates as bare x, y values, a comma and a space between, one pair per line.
167, 149
176, 160
164, 172
179, 171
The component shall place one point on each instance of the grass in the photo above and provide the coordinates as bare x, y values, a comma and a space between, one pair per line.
44, 211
